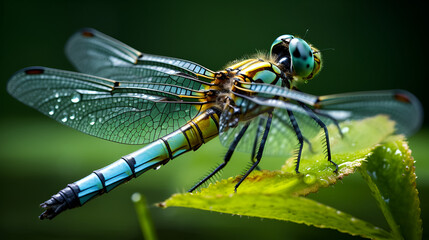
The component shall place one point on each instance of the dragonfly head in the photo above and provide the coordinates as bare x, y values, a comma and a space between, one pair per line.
296, 57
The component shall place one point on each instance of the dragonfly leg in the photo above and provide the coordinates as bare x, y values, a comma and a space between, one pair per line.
325, 129
299, 136
331, 118
255, 142
321, 114
226, 159
260, 151
310, 146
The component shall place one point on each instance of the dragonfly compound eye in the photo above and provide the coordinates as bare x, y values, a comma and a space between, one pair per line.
302, 58
280, 53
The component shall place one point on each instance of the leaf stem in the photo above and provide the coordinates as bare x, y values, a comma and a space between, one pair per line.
146, 225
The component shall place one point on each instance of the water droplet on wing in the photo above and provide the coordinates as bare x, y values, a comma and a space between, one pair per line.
75, 97
91, 120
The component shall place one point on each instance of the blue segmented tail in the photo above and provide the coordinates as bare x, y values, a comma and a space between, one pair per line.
190, 137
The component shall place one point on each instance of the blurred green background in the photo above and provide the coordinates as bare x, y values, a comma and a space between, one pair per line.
378, 45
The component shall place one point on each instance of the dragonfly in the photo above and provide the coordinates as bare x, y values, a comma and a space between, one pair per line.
175, 106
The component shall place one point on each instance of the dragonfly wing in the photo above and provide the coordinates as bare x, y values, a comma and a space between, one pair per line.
253, 133
131, 113
401, 106
270, 91
281, 140
95, 53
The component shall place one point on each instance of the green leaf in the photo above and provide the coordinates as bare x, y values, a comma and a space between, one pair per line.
279, 194
391, 177
358, 141
277, 201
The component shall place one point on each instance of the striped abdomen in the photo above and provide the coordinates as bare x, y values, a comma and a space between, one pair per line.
191, 136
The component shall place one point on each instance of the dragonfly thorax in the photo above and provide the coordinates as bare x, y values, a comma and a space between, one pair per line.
241, 80
296, 57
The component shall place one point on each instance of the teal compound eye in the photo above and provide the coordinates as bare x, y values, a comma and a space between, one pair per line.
280, 53
302, 58
279, 42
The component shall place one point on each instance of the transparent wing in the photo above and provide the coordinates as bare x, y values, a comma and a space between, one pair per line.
124, 112
275, 146
253, 133
270, 91
281, 140
95, 53
401, 106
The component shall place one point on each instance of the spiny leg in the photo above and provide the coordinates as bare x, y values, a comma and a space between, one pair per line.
310, 146
255, 142
226, 159
325, 129
299, 136
321, 114
331, 118
260, 151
